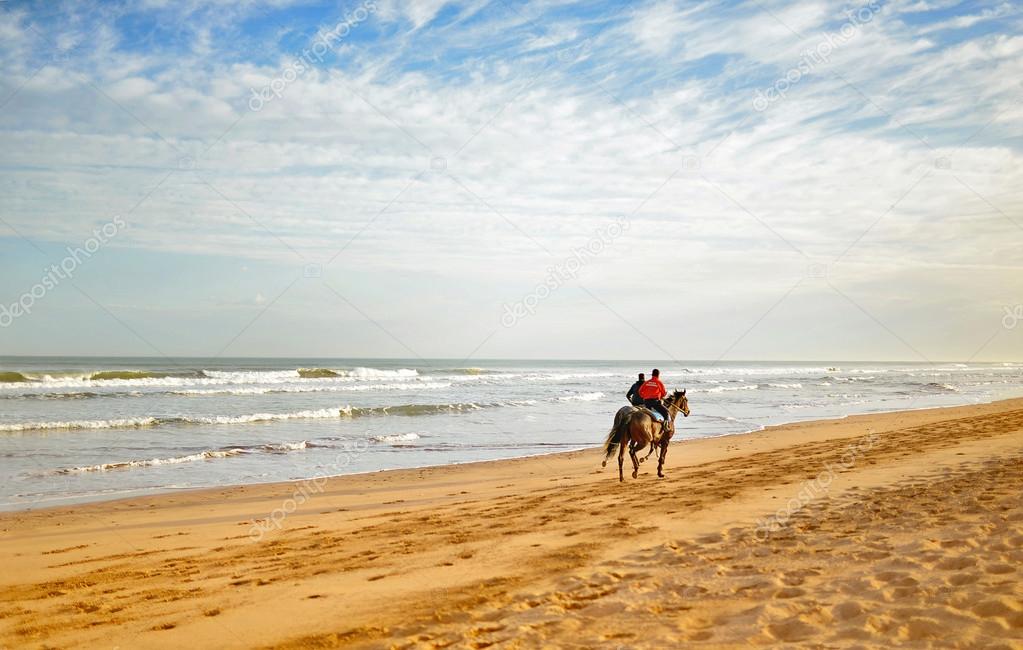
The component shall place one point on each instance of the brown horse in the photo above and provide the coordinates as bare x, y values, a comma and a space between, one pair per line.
638, 427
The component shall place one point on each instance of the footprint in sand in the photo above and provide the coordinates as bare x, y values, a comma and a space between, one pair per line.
847, 610
791, 630
961, 579
789, 592
955, 563
920, 629
992, 608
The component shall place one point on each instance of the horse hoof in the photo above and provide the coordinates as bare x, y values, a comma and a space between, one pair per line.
635, 475
604, 464
659, 475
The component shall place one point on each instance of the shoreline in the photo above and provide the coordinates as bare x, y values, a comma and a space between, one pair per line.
542, 549
150, 492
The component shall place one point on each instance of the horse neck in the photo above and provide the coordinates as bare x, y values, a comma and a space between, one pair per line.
673, 410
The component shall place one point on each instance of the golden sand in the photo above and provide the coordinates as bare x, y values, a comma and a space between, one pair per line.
904, 528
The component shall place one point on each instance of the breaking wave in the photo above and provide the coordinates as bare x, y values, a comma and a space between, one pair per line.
121, 423
728, 389
209, 454
316, 373
396, 437
146, 378
296, 388
581, 397
108, 375
315, 414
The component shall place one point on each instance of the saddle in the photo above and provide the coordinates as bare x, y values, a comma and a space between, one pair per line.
657, 417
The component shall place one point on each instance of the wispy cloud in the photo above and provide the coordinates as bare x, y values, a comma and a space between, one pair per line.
433, 118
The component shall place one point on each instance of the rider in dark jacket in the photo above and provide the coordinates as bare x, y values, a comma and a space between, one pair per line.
633, 394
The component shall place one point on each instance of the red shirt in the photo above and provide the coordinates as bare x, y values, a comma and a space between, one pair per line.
652, 389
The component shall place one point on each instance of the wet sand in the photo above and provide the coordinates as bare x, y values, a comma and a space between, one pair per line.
864, 532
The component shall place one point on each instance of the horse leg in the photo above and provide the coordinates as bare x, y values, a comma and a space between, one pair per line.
640, 446
653, 448
621, 457
633, 448
660, 460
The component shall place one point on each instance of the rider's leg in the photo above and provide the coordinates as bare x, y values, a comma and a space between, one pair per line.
663, 410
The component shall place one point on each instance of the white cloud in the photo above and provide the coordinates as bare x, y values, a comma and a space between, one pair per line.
531, 145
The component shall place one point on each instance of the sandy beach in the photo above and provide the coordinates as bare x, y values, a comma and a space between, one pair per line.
863, 532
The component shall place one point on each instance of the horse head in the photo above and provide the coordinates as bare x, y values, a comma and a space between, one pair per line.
680, 401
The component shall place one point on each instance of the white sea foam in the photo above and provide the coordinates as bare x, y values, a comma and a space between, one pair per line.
749, 371
81, 424
268, 417
728, 389
374, 373
582, 397
396, 437
134, 464
287, 446
251, 418
209, 454
134, 423
252, 376
301, 388
562, 376
213, 378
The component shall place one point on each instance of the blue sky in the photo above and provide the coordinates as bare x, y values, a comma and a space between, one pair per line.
811, 180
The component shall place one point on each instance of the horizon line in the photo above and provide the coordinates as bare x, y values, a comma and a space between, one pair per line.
465, 361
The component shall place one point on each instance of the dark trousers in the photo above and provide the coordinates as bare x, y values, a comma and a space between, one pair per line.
658, 406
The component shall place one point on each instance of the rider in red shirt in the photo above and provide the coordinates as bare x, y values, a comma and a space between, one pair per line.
652, 392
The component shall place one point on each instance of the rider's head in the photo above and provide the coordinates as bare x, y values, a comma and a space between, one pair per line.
642, 376
656, 373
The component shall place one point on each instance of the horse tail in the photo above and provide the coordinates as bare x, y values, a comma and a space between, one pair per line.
614, 436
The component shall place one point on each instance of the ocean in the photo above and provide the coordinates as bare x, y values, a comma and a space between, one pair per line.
85, 429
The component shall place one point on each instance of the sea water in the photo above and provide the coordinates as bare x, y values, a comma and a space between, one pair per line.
81, 429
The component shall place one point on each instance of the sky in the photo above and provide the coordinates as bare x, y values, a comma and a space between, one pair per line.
496, 179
